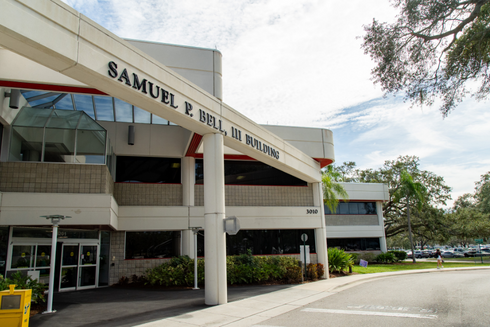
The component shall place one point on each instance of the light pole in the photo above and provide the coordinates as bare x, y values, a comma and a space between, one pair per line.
55, 220
195, 230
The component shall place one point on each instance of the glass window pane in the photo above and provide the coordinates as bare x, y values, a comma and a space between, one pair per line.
158, 120
91, 146
26, 144
44, 102
141, 116
70, 255
83, 102
65, 103
32, 117
343, 208
89, 255
68, 277
43, 255
21, 256
59, 145
124, 111
362, 208
4, 236
64, 119
30, 94
371, 208
141, 245
104, 108
353, 209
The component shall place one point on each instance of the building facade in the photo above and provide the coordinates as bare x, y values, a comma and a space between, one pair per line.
133, 142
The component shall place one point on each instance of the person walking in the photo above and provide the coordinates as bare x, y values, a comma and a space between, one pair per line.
439, 259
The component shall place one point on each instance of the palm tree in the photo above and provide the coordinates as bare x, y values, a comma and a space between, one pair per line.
332, 189
409, 189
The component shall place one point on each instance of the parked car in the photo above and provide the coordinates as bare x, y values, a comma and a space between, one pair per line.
447, 254
425, 254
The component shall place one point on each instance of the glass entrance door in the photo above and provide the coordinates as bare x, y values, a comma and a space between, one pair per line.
78, 267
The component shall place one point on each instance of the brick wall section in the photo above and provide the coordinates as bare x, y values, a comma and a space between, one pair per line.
54, 178
123, 267
263, 196
351, 220
136, 194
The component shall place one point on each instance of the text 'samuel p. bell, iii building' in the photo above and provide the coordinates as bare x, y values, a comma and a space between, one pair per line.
132, 140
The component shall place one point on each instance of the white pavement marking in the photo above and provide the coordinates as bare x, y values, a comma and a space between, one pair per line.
371, 313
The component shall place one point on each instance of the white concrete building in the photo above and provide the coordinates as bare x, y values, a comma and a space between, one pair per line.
133, 141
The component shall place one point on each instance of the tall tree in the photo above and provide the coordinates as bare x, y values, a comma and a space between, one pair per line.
435, 49
332, 190
394, 210
413, 192
482, 193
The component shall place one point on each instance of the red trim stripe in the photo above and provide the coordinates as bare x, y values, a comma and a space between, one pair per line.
46, 87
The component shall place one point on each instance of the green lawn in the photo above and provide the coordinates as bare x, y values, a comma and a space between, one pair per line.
376, 268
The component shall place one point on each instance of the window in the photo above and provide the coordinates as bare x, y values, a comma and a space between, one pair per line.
250, 173
261, 242
353, 208
147, 170
354, 244
151, 245
50, 135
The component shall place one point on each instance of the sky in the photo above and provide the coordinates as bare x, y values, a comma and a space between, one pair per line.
300, 63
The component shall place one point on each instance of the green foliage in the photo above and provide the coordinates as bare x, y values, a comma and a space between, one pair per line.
400, 255
355, 258
385, 258
482, 193
22, 283
293, 274
332, 190
435, 49
241, 269
312, 271
338, 260
367, 256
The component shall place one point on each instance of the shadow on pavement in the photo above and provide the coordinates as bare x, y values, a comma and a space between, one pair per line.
113, 306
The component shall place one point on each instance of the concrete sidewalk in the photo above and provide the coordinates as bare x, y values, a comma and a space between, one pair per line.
247, 305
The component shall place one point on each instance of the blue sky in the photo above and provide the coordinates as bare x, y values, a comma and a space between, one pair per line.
299, 63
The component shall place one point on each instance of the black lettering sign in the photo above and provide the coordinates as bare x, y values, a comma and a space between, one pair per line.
112, 69
139, 86
124, 75
154, 96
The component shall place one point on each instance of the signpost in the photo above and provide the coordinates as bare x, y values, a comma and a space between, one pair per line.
479, 241
304, 238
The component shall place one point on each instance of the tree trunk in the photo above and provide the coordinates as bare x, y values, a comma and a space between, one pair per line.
410, 231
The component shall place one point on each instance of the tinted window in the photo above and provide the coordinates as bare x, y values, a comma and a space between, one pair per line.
250, 173
147, 170
353, 208
146, 245
354, 244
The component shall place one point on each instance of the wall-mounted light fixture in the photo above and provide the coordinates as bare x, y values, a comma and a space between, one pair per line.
131, 135
14, 96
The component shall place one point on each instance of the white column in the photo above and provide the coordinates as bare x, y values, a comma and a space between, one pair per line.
320, 233
188, 182
381, 222
214, 213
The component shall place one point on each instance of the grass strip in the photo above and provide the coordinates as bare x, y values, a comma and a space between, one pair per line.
377, 268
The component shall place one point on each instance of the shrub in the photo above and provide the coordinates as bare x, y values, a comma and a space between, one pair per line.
293, 274
241, 269
320, 270
355, 258
385, 258
24, 282
338, 260
400, 255
311, 271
